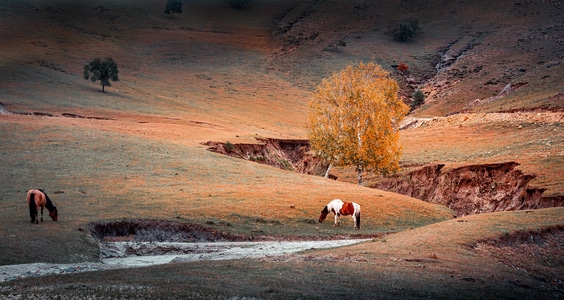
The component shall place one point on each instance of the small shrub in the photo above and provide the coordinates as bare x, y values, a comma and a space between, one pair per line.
402, 67
417, 99
238, 3
229, 147
285, 164
172, 7
405, 31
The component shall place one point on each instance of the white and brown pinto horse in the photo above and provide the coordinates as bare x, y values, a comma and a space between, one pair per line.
38, 199
338, 207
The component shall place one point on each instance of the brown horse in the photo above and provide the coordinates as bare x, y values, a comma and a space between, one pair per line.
37, 199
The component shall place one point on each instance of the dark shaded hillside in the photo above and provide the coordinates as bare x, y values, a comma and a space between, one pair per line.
463, 57
465, 51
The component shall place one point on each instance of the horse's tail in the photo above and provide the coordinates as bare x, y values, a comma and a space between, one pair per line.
357, 216
32, 207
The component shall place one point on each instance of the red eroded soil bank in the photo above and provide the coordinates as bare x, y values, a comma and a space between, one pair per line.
473, 189
466, 190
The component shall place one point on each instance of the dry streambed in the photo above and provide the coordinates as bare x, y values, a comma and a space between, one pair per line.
138, 243
116, 255
132, 254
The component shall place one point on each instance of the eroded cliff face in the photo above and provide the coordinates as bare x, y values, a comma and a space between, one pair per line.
466, 190
473, 189
292, 155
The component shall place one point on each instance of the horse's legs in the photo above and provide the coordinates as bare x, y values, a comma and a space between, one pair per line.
41, 213
337, 220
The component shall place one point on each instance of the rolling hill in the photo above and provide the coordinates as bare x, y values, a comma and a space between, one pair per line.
491, 72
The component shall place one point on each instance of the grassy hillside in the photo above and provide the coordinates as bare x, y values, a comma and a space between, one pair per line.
186, 67
223, 74
94, 174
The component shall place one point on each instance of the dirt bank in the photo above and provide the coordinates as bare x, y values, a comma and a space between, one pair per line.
467, 190
292, 155
152, 231
473, 189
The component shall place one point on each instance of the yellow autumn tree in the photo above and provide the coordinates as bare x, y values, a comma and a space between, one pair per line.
354, 119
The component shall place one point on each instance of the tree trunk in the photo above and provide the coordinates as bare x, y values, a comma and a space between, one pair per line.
103, 88
359, 139
359, 170
328, 169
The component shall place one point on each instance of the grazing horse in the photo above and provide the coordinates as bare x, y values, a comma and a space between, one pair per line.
338, 207
37, 199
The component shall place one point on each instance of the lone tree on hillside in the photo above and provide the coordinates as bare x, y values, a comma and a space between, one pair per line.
173, 6
104, 71
354, 119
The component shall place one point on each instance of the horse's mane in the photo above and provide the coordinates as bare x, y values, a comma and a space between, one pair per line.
49, 205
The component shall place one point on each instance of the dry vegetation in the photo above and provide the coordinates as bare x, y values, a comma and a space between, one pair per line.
221, 74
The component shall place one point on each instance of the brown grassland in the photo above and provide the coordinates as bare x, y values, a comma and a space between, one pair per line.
214, 73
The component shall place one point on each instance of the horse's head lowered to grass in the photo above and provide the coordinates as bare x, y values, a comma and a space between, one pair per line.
324, 214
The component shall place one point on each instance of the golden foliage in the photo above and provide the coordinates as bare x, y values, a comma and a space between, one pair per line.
354, 118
